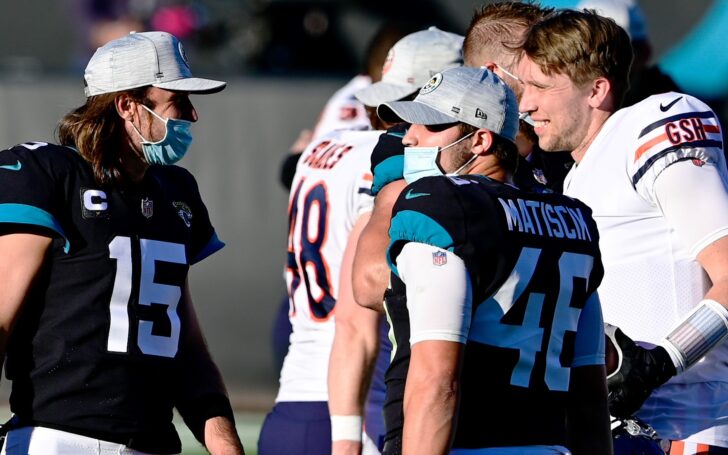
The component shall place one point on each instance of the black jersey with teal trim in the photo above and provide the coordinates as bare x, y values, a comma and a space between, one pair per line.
533, 261
388, 157
99, 348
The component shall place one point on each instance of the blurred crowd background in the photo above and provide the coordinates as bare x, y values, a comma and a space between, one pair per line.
282, 59
313, 38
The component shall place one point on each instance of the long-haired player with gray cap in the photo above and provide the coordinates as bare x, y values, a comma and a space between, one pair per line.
97, 235
498, 327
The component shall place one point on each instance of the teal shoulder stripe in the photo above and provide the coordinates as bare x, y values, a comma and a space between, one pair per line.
213, 245
412, 226
387, 171
27, 214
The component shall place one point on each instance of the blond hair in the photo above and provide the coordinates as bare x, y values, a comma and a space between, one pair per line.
584, 46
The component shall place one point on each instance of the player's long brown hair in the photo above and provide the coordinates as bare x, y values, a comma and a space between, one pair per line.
97, 131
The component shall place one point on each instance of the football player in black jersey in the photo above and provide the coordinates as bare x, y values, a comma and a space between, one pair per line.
494, 287
490, 41
96, 238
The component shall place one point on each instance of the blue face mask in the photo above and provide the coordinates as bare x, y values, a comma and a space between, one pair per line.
173, 146
421, 162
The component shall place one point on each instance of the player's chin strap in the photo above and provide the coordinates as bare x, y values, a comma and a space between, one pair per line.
700, 331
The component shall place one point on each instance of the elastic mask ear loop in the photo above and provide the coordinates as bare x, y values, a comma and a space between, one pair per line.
467, 163
163, 120
458, 141
509, 73
457, 171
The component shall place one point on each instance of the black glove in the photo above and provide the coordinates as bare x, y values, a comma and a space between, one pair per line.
639, 371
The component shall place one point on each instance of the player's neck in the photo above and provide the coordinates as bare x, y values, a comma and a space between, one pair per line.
596, 126
490, 166
134, 165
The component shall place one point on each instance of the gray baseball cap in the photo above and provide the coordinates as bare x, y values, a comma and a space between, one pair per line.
475, 96
411, 62
140, 59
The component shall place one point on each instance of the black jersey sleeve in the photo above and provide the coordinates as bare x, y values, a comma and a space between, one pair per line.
31, 189
199, 392
388, 157
427, 211
204, 238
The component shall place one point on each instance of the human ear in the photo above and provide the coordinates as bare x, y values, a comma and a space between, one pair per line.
600, 90
482, 142
125, 106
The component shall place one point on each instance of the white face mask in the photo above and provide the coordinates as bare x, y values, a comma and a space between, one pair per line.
422, 161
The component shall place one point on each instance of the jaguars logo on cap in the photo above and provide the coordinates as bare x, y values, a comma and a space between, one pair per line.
432, 84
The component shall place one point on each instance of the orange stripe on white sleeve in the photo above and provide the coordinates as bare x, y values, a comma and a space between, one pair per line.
648, 145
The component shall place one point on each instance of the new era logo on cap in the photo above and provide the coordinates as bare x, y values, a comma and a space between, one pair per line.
141, 59
474, 96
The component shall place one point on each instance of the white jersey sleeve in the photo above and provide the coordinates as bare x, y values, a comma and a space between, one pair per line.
685, 129
439, 297
706, 201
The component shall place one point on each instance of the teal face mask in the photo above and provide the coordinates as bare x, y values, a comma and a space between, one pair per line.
421, 162
173, 146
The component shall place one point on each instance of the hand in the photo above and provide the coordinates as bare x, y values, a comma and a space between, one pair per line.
637, 373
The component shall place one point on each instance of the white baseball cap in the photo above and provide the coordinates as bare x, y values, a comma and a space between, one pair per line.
626, 13
140, 59
411, 62
475, 96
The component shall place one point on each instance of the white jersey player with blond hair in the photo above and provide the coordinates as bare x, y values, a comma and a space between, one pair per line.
654, 175
664, 149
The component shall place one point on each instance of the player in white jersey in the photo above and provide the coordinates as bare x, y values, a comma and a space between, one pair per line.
330, 193
655, 177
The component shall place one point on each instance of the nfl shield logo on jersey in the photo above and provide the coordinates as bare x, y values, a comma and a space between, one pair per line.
147, 207
439, 258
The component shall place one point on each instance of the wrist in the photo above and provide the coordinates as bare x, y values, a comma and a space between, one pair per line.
346, 428
700, 331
